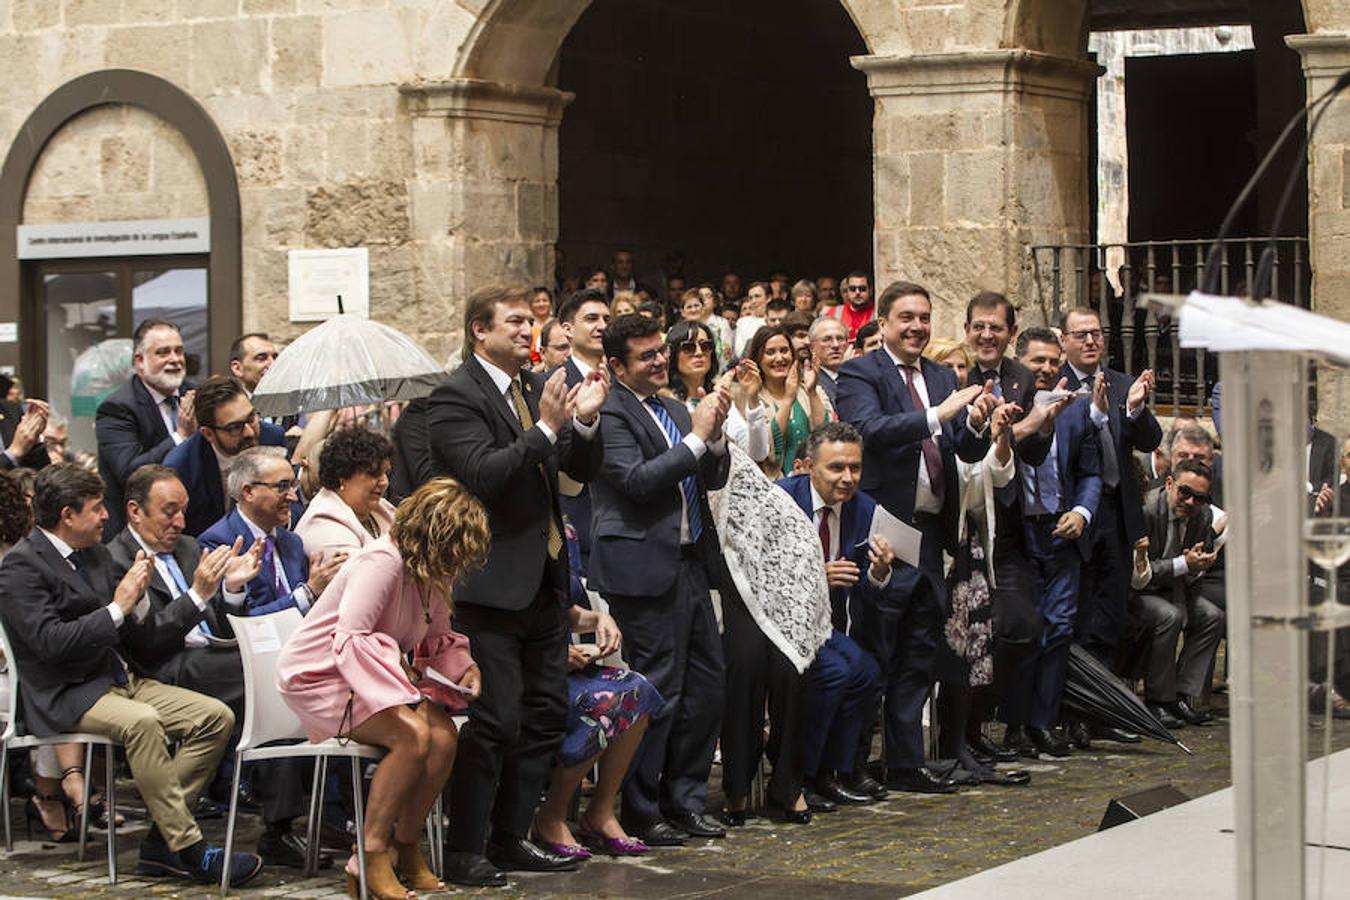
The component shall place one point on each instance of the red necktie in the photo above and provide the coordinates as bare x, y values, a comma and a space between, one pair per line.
932, 456
825, 532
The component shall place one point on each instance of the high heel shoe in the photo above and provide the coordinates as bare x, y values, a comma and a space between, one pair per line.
33, 810
412, 868
381, 882
789, 815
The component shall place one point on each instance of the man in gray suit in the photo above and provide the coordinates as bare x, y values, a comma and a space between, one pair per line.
651, 538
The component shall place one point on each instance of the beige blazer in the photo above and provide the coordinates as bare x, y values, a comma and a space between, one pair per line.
329, 525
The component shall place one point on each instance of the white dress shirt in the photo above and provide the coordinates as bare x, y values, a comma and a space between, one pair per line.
502, 381
194, 637
164, 412
924, 498
65, 550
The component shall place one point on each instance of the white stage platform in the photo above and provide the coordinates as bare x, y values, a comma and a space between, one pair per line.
1186, 851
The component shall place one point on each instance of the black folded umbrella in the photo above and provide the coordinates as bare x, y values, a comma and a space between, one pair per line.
1092, 692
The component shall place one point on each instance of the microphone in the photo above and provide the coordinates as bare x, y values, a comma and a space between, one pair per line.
1210, 279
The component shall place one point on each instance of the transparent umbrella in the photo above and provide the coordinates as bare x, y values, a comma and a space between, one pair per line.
346, 361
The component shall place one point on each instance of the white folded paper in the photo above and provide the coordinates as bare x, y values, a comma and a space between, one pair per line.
441, 679
904, 538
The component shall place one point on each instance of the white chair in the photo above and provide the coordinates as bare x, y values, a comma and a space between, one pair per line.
10, 739
267, 719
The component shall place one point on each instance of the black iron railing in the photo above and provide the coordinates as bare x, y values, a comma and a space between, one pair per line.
1069, 275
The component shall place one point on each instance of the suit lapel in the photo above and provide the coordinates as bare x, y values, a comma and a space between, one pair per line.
495, 398
1010, 381
890, 375
656, 438
149, 411
82, 587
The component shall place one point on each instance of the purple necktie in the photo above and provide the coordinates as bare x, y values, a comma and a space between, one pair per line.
932, 456
269, 564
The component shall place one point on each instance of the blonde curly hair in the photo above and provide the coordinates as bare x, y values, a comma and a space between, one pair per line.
442, 533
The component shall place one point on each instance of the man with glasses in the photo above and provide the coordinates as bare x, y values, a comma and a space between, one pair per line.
1168, 571
651, 553
227, 425
263, 487
1125, 424
829, 347
858, 307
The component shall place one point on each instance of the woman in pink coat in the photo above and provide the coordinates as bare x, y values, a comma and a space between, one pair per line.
345, 672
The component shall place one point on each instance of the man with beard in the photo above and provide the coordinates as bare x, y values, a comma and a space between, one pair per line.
227, 424
145, 418
857, 308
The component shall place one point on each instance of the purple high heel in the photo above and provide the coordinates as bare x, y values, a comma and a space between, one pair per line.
571, 851
624, 846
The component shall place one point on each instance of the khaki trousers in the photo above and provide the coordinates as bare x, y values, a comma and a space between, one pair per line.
144, 716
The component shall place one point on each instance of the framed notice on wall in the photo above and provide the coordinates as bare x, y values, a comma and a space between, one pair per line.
317, 278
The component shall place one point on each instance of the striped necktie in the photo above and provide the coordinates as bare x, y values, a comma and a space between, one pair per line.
690, 484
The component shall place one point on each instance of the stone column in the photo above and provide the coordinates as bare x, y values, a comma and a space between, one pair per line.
1325, 57
978, 155
484, 190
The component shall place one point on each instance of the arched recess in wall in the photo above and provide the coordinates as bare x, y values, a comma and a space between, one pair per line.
178, 109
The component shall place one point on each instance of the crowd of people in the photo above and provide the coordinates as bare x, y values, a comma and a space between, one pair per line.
624, 532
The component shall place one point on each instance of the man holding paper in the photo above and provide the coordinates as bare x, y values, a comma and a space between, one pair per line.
914, 421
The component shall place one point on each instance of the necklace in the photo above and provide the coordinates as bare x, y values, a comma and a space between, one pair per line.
426, 605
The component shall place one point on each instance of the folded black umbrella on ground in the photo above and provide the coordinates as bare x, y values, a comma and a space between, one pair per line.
1092, 692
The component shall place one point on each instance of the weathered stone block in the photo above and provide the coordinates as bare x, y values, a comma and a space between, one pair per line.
348, 153
442, 26
125, 164
891, 177
257, 156
210, 9
228, 57
367, 48
143, 47
484, 210
304, 150
297, 52
31, 15
89, 12
252, 7
975, 187
357, 213
926, 182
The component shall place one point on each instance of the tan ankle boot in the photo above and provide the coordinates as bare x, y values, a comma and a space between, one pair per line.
413, 869
381, 882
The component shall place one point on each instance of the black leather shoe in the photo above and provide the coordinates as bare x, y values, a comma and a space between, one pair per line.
1047, 741
334, 837
472, 870
1118, 735
1018, 741
284, 848
919, 781
818, 803
207, 808
697, 825
862, 783
829, 788
732, 818
661, 834
981, 746
1165, 716
789, 815
519, 855
1081, 737
1183, 710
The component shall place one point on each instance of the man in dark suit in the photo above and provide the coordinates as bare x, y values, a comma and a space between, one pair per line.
829, 344
145, 418
1180, 531
840, 688
650, 560
506, 433
251, 355
1125, 425
412, 465
63, 614
263, 486
583, 317
914, 421
21, 431
227, 424
1060, 496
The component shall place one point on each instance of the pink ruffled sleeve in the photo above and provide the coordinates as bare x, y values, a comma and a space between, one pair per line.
367, 658
447, 653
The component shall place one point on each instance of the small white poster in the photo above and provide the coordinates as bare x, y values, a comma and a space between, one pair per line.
138, 237
323, 283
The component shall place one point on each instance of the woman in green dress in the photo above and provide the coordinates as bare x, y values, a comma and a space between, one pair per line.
796, 404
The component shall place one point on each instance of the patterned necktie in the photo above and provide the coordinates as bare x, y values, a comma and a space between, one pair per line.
932, 456
690, 484
825, 531
171, 565
269, 565
171, 404
527, 422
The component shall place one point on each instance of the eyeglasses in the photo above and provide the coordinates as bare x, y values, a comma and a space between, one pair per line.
653, 355
691, 346
992, 328
234, 429
1189, 493
1086, 334
284, 486
855, 288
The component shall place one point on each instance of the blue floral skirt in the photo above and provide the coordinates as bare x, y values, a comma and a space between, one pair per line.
603, 702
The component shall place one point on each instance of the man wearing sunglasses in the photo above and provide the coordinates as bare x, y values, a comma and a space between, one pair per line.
227, 425
1179, 551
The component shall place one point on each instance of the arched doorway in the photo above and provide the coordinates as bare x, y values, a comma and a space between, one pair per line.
708, 137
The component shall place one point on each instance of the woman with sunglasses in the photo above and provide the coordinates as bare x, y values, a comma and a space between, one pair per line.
692, 352
795, 401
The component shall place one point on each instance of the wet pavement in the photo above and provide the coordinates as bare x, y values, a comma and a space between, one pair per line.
891, 849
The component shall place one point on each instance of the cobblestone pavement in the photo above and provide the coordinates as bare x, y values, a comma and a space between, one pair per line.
892, 849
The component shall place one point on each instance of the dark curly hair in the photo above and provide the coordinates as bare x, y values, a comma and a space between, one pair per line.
16, 517
352, 451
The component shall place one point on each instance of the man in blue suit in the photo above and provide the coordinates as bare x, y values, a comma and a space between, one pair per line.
915, 422
840, 688
1124, 425
651, 542
227, 424
263, 486
1059, 498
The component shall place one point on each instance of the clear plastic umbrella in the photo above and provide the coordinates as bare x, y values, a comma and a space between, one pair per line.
346, 361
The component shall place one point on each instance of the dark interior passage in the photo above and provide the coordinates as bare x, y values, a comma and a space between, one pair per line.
708, 135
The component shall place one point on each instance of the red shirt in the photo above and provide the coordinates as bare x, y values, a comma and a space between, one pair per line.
853, 319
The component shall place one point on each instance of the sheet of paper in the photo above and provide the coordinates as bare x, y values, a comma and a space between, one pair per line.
1045, 398
266, 639
904, 538
441, 679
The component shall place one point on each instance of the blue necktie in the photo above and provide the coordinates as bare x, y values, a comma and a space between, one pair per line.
172, 565
690, 484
